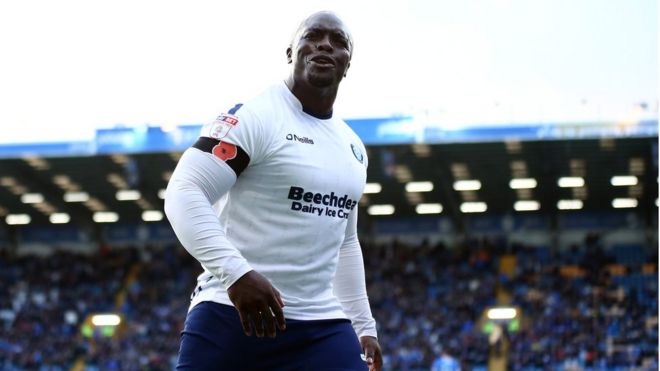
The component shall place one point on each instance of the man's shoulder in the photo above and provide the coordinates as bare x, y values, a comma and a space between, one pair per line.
257, 116
265, 102
253, 111
349, 132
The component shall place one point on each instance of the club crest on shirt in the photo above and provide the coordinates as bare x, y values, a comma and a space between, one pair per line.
221, 126
357, 153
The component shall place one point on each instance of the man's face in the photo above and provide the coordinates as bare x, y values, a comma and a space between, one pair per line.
321, 51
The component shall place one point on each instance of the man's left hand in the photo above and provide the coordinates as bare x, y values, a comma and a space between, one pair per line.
371, 350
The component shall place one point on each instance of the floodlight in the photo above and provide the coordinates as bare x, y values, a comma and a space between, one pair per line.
467, 185
569, 204
128, 195
473, 207
428, 209
105, 217
152, 215
522, 183
623, 180
18, 219
372, 188
59, 218
106, 320
380, 210
502, 313
419, 187
624, 203
76, 197
570, 182
32, 198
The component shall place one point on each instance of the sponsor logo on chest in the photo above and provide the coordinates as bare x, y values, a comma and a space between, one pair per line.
321, 204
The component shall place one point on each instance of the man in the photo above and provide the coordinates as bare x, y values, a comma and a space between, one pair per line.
445, 362
282, 258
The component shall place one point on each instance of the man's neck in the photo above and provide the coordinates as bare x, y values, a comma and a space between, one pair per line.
316, 101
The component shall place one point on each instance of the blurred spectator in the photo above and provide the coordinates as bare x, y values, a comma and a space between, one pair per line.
445, 362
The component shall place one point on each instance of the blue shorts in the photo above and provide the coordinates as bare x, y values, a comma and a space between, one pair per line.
213, 339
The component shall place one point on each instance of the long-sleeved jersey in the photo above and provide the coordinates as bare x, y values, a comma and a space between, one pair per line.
271, 188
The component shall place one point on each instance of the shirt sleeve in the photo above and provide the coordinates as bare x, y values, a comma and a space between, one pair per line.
199, 181
349, 284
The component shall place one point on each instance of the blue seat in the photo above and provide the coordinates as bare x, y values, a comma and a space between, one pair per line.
628, 254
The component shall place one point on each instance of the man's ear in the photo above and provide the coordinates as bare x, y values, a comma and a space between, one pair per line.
288, 55
347, 67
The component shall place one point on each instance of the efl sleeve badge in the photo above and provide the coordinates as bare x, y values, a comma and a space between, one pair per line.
221, 126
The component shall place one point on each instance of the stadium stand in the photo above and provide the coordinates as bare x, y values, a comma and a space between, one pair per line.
584, 281
426, 297
45, 298
155, 306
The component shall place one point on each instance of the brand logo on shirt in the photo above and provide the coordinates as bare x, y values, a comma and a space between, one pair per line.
327, 204
357, 153
294, 137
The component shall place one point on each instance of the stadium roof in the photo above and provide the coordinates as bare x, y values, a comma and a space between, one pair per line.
47, 181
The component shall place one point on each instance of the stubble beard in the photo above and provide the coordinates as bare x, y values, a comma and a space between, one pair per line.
320, 80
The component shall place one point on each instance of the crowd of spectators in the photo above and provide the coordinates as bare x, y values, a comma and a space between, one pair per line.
155, 308
44, 299
428, 300
597, 318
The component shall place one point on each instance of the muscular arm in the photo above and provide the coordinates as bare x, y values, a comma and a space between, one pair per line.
199, 181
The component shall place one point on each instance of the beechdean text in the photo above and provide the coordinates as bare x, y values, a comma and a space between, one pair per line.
320, 203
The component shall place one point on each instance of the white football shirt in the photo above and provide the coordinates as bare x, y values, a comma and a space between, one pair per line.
293, 208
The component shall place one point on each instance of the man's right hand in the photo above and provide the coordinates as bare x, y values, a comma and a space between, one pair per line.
257, 302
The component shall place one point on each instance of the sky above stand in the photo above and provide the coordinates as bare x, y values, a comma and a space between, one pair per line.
70, 67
